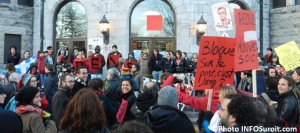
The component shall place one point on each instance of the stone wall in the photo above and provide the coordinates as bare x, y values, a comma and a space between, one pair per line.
16, 19
284, 25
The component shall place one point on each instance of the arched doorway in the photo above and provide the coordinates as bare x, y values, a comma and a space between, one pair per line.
144, 39
70, 28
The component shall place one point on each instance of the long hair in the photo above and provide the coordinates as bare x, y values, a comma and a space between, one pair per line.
84, 113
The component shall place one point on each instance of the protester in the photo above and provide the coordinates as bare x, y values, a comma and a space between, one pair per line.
80, 79
49, 59
10, 122
143, 61
245, 82
13, 56
130, 61
111, 61
62, 97
26, 55
274, 61
287, 110
179, 66
2, 97
128, 99
61, 56
12, 87
50, 85
74, 55
50, 51
269, 54
97, 85
272, 72
9, 68
272, 90
166, 112
80, 61
31, 115
154, 65
96, 63
167, 63
137, 75
84, 114
41, 62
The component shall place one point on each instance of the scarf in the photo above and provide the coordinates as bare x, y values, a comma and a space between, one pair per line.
29, 108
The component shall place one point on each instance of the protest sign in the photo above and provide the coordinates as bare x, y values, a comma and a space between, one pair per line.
222, 16
289, 55
246, 41
114, 61
215, 65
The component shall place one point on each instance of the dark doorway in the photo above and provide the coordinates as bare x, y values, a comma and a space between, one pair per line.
11, 40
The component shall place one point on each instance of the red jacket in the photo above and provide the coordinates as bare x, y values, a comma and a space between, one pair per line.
96, 62
168, 81
199, 103
41, 64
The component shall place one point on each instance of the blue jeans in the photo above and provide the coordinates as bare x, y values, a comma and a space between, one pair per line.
156, 75
42, 79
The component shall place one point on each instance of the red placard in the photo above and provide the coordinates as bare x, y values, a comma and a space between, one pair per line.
128, 63
246, 41
114, 61
94, 64
215, 65
154, 22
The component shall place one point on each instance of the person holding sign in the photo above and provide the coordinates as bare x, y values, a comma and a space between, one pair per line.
113, 58
96, 63
79, 61
130, 61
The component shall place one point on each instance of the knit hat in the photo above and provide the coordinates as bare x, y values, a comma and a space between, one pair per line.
26, 79
1, 90
167, 96
26, 95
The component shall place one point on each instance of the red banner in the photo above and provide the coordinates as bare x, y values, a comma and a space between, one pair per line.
154, 22
246, 41
215, 65
95, 64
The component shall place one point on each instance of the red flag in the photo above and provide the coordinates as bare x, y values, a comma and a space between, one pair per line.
154, 22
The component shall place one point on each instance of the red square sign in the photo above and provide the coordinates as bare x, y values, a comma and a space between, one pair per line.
154, 22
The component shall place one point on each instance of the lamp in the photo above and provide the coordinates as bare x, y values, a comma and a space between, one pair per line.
104, 28
201, 27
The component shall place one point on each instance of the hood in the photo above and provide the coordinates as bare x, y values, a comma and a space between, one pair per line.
162, 118
144, 101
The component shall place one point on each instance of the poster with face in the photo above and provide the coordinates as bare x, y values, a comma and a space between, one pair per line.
222, 16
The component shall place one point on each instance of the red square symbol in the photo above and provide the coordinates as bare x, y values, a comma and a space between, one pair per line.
154, 22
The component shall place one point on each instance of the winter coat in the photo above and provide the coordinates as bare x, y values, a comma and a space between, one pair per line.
166, 119
10, 91
143, 103
144, 67
139, 80
167, 64
106, 103
59, 103
154, 63
130, 97
33, 123
50, 87
287, 110
273, 95
13, 59
200, 103
180, 67
113, 93
41, 64
10, 122
79, 84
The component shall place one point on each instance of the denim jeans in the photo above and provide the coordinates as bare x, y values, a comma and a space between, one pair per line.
156, 75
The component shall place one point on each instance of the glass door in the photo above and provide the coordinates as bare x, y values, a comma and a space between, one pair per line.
164, 45
68, 45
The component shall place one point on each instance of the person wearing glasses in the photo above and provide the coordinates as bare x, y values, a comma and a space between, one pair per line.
62, 97
80, 79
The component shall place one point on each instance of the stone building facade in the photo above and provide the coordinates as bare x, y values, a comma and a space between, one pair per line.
119, 13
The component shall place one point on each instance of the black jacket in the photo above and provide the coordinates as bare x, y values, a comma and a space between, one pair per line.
106, 103
59, 103
10, 122
10, 91
287, 110
166, 119
130, 97
143, 103
154, 63
13, 59
114, 94
181, 67
50, 85
167, 65
79, 84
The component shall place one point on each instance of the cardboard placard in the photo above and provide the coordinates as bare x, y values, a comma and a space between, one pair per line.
128, 63
289, 55
215, 65
114, 61
246, 52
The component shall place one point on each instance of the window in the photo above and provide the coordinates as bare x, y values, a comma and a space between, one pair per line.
25, 2
4, 1
71, 21
148, 8
279, 3
297, 2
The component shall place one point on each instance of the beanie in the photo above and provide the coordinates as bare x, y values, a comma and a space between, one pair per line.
26, 79
26, 95
168, 96
1, 90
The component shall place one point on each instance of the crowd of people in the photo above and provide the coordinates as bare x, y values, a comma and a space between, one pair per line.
50, 97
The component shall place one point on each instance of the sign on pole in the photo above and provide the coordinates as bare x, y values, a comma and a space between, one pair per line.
289, 55
215, 65
246, 41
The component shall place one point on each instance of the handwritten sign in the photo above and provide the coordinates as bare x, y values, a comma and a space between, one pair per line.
246, 41
215, 65
289, 55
